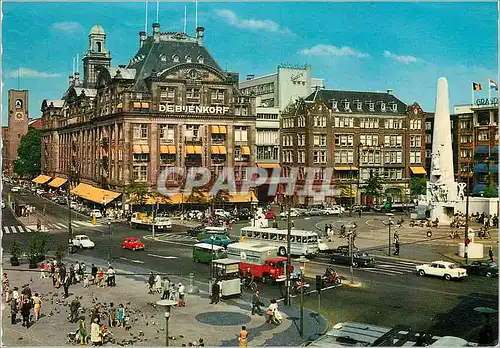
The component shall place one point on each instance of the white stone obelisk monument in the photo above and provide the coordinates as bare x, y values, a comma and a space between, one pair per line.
442, 188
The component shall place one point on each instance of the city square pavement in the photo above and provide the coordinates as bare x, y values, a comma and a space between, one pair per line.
218, 325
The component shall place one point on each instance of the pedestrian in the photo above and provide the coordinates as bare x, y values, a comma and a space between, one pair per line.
95, 332
100, 278
72, 275
82, 330
396, 247
173, 292
73, 310
94, 271
86, 280
490, 254
215, 298
111, 276
121, 314
243, 337
151, 282
37, 305
181, 302
66, 284
15, 294
62, 273
256, 303
166, 289
42, 270
112, 315
157, 284
5, 286
13, 311
26, 310
77, 272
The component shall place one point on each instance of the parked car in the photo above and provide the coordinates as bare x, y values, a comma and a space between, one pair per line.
333, 211
244, 214
133, 243
293, 213
194, 231
315, 212
15, 189
218, 239
482, 268
96, 212
444, 269
358, 259
83, 242
344, 249
221, 213
270, 215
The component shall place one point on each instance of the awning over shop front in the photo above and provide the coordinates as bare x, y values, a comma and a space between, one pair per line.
168, 149
494, 168
418, 170
41, 179
194, 150
95, 194
481, 168
137, 105
494, 150
222, 130
215, 130
57, 182
245, 150
482, 149
339, 168
215, 150
119, 106
145, 105
478, 189
198, 150
348, 192
219, 150
248, 197
268, 165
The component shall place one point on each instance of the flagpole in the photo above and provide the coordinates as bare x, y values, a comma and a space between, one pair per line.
472, 101
489, 92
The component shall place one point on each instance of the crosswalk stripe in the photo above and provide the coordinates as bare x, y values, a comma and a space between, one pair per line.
374, 270
399, 268
13, 229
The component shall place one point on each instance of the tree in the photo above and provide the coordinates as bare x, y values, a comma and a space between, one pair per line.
138, 192
490, 192
374, 186
28, 162
418, 186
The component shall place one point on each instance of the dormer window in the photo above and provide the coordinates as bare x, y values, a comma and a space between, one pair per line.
200, 59
335, 105
175, 58
394, 107
163, 58
382, 107
359, 106
346, 105
188, 59
371, 106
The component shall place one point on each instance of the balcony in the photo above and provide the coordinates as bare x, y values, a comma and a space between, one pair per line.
192, 139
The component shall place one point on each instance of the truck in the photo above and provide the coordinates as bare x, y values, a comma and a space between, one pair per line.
260, 259
146, 221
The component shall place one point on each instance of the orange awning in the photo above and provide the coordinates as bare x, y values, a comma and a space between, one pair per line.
222, 150
215, 130
57, 182
95, 194
172, 149
215, 150
268, 165
198, 149
418, 170
164, 149
145, 148
145, 105
190, 150
119, 106
137, 149
245, 150
345, 168
222, 129
243, 197
41, 179
137, 105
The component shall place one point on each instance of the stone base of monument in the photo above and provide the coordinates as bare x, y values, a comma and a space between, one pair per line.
474, 250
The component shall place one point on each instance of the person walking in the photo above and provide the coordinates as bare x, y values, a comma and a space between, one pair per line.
157, 284
13, 311
5, 286
95, 332
37, 305
151, 282
215, 298
166, 289
490, 254
42, 270
66, 283
243, 337
82, 330
121, 314
73, 310
77, 272
94, 272
182, 302
100, 278
26, 310
111, 276
256, 303
112, 315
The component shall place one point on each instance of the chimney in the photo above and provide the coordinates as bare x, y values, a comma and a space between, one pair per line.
142, 38
70, 80
250, 77
77, 79
199, 35
156, 32
389, 91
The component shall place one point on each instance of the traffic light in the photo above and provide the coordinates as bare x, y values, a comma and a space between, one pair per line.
319, 283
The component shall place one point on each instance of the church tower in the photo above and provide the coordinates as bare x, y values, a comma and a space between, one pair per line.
97, 55
18, 126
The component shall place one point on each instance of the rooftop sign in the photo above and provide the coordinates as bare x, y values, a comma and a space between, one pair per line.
486, 101
193, 109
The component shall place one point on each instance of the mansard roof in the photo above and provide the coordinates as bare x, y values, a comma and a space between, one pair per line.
171, 50
366, 98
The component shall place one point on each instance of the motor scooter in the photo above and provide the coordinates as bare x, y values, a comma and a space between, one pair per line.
297, 287
331, 279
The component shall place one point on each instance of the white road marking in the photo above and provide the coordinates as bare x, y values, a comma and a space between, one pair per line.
163, 257
148, 237
134, 261
13, 229
382, 271
397, 268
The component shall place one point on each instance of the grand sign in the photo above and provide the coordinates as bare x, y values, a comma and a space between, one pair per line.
193, 109
486, 101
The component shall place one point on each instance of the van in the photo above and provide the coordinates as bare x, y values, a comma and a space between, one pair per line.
202, 252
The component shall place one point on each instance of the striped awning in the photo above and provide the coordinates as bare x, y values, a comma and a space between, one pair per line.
194, 150
222, 130
481, 168
215, 150
482, 149
348, 192
41, 179
339, 168
494, 168
418, 170
215, 130
140, 148
57, 182
145, 105
136, 105
168, 149
245, 150
268, 165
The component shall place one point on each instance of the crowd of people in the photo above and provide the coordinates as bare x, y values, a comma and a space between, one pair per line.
167, 289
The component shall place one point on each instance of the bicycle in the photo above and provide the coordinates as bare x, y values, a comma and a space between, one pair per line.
252, 285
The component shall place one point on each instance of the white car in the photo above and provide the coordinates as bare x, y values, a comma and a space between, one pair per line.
96, 212
293, 213
221, 213
15, 189
83, 242
3, 204
40, 192
444, 269
73, 205
333, 211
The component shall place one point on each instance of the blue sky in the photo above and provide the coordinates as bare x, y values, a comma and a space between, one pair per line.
354, 46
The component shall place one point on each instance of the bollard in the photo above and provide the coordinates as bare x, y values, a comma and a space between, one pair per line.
191, 288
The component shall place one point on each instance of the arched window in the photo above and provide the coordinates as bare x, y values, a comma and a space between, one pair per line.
175, 58
200, 59
188, 59
98, 46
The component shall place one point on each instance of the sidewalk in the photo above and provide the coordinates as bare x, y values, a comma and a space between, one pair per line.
218, 324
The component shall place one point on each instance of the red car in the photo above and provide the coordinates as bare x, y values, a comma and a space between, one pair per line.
133, 244
270, 215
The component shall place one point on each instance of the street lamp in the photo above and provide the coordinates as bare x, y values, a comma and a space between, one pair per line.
302, 261
212, 239
109, 242
389, 223
72, 178
288, 251
167, 304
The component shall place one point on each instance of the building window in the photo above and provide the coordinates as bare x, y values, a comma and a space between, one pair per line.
335, 105
301, 156
163, 58
140, 173
483, 136
188, 59
200, 59
175, 58
301, 140
368, 140
346, 106
466, 139
167, 133
320, 140
319, 156
140, 131
428, 153
141, 157
368, 123
359, 106
301, 121
241, 134
428, 125
415, 141
371, 106
192, 131
193, 93
344, 157
394, 107
428, 139
415, 157
167, 158
344, 122
319, 121
466, 153
382, 107
217, 95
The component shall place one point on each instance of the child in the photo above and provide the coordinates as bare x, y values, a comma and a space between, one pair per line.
121, 314
86, 279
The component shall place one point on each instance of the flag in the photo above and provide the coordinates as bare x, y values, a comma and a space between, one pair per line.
492, 84
476, 86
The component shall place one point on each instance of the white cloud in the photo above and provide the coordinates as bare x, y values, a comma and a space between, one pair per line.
68, 27
330, 50
402, 59
31, 73
252, 24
